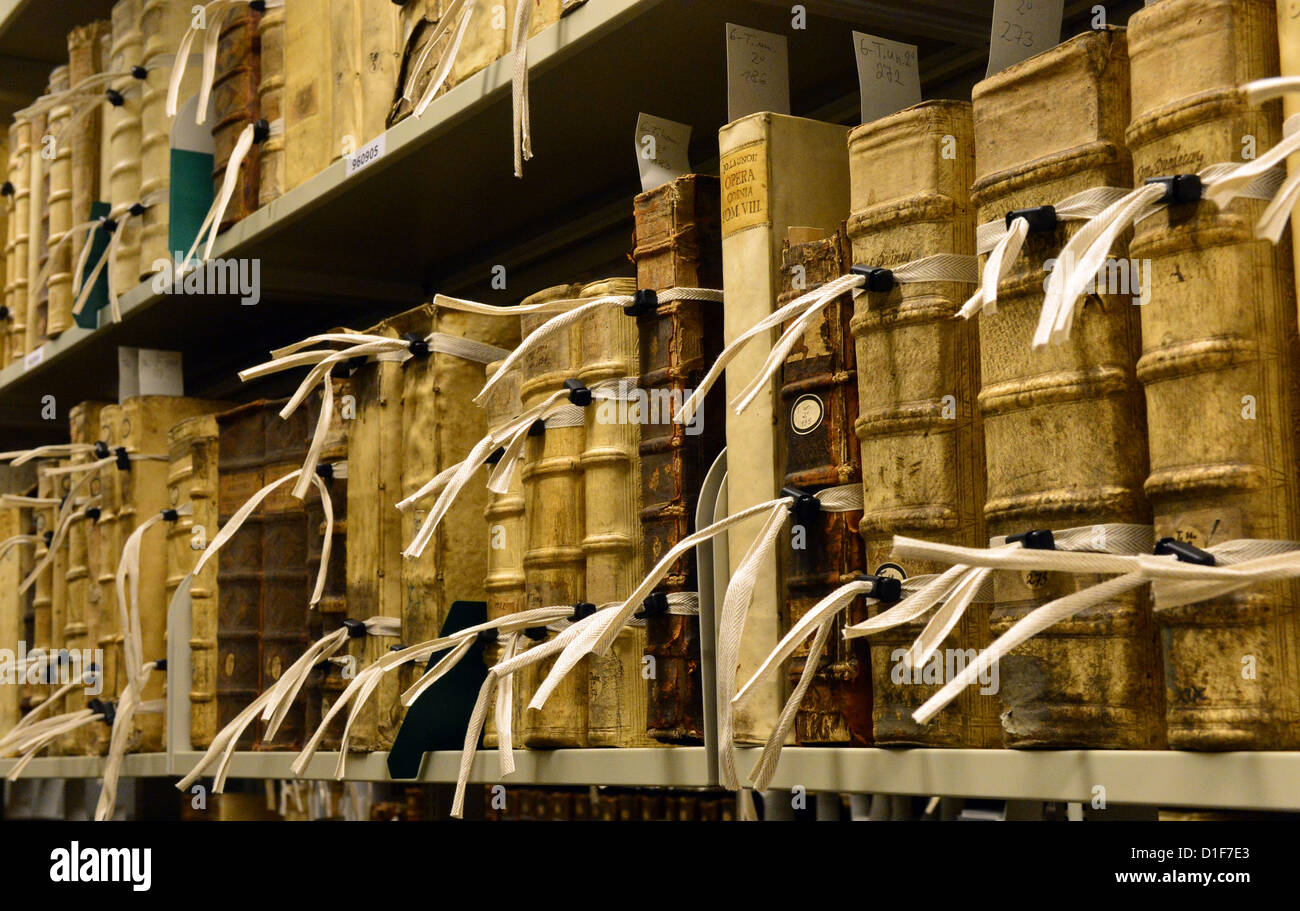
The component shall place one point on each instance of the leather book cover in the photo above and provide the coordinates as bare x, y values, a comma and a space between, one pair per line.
18, 234
162, 25
918, 377
85, 60
56, 294
308, 91
678, 245
555, 565
777, 171
819, 406
234, 106
365, 40
418, 26
192, 478
123, 138
1219, 361
38, 226
611, 480
83, 427
1064, 427
270, 104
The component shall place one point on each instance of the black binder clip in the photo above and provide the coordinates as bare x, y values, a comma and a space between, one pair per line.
644, 301
1179, 188
114, 97
1186, 553
878, 279
416, 344
536, 633
537, 428
579, 394
108, 224
105, 708
883, 588
4, 313
101, 450
1037, 539
92, 513
160, 664
581, 611
356, 628
137, 209
261, 132
396, 647
123, 458
496, 455
139, 72
486, 636
170, 515
655, 604
6, 188
325, 471
806, 506
257, 6
48, 537
1041, 218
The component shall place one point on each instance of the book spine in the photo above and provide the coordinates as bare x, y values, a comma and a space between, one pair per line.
365, 40
234, 106
270, 101
7, 260
60, 487
308, 91
1219, 361
85, 59
43, 588
918, 377
20, 175
59, 204
1065, 429
11, 620
678, 245
122, 126
103, 549
38, 229
819, 405
776, 171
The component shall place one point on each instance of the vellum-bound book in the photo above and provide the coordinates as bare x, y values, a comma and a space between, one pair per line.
60, 487
365, 38
38, 218
103, 547
819, 405
43, 588
270, 100
777, 171
1219, 361
54, 307
86, 59
1064, 426
19, 233
555, 566
918, 377
6, 256
427, 35
235, 85
122, 141
163, 24
11, 565
611, 480
308, 90
678, 245
192, 479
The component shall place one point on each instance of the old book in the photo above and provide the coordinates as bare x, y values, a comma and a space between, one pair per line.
19, 233
1219, 361
103, 547
777, 171
11, 563
83, 427
85, 60
554, 563
819, 406
192, 479
270, 100
918, 378
6, 260
60, 672
325, 683
38, 220
365, 38
428, 34
419, 53
54, 306
678, 245
263, 589
123, 152
1065, 427
308, 90
506, 534
163, 24
611, 481
234, 106
440, 424
42, 590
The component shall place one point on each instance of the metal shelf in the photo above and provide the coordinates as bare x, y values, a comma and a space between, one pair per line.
136, 765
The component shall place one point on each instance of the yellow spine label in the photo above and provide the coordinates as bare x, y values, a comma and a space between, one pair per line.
744, 188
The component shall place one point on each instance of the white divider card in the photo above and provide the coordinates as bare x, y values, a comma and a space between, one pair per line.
758, 72
661, 150
148, 371
888, 75
1021, 29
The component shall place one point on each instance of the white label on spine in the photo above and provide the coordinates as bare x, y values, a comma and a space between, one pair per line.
367, 155
758, 72
33, 358
1021, 29
661, 150
888, 74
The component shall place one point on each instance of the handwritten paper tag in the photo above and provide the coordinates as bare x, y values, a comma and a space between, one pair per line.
888, 75
758, 72
661, 150
1021, 29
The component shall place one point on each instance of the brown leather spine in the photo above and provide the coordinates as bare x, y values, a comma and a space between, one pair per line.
678, 245
819, 396
1219, 364
234, 106
1065, 427
918, 377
